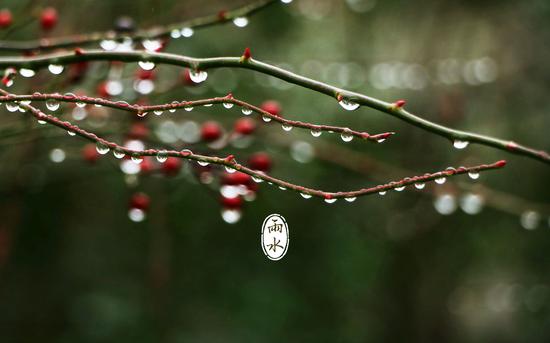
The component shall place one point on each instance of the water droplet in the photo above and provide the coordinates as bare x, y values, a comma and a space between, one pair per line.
316, 132
118, 153
229, 169
474, 175
228, 105
346, 136
286, 1
198, 76
188, 108
330, 201
286, 127
146, 65
71, 133
240, 21
458, 144
203, 163
55, 69
141, 114
158, 113
173, 110
81, 104
108, 44
25, 102
187, 32
440, 180
136, 215
381, 140
266, 118
162, 156
207, 105
136, 158
282, 188
231, 216
348, 104
246, 111
382, 192
529, 220
350, 199
152, 45
27, 72
175, 34
12, 106
419, 185
41, 122
102, 148
399, 189
305, 195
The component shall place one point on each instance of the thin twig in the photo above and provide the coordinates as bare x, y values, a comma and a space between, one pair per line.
141, 110
152, 33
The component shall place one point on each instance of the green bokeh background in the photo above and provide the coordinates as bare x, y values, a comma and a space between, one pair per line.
382, 269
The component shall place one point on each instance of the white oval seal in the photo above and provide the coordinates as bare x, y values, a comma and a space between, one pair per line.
275, 237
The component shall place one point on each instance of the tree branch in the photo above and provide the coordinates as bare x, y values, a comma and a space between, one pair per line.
152, 33
392, 109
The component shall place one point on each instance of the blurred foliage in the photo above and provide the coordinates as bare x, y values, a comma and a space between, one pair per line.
73, 268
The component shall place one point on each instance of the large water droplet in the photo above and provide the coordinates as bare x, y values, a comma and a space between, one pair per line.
257, 179
266, 118
346, 136
399, 189
27, 72
348, 104
158, 113
474, 175
55, 69
419, 185
102, 148
382, 192
81, 104
203, 163
350, 199
458, 144
440, 180
12, 106
228, 105
71, 133
229, 169
330, 201
286, 127
118, 153
316, 132
146, 65
240, 21
305, 195
162, 156
246, 111
198, 76
136, 158
188, 108
286, 1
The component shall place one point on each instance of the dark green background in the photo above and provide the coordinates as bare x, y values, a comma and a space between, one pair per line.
382, 269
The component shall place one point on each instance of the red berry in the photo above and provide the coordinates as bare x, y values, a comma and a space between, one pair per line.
171, 166
145, 74
138, 131
273, 107
245, 126
211, 131
236, 178
140, 201
146, 165
260, 161
48, 19
5, 18
89, 153
233, 203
